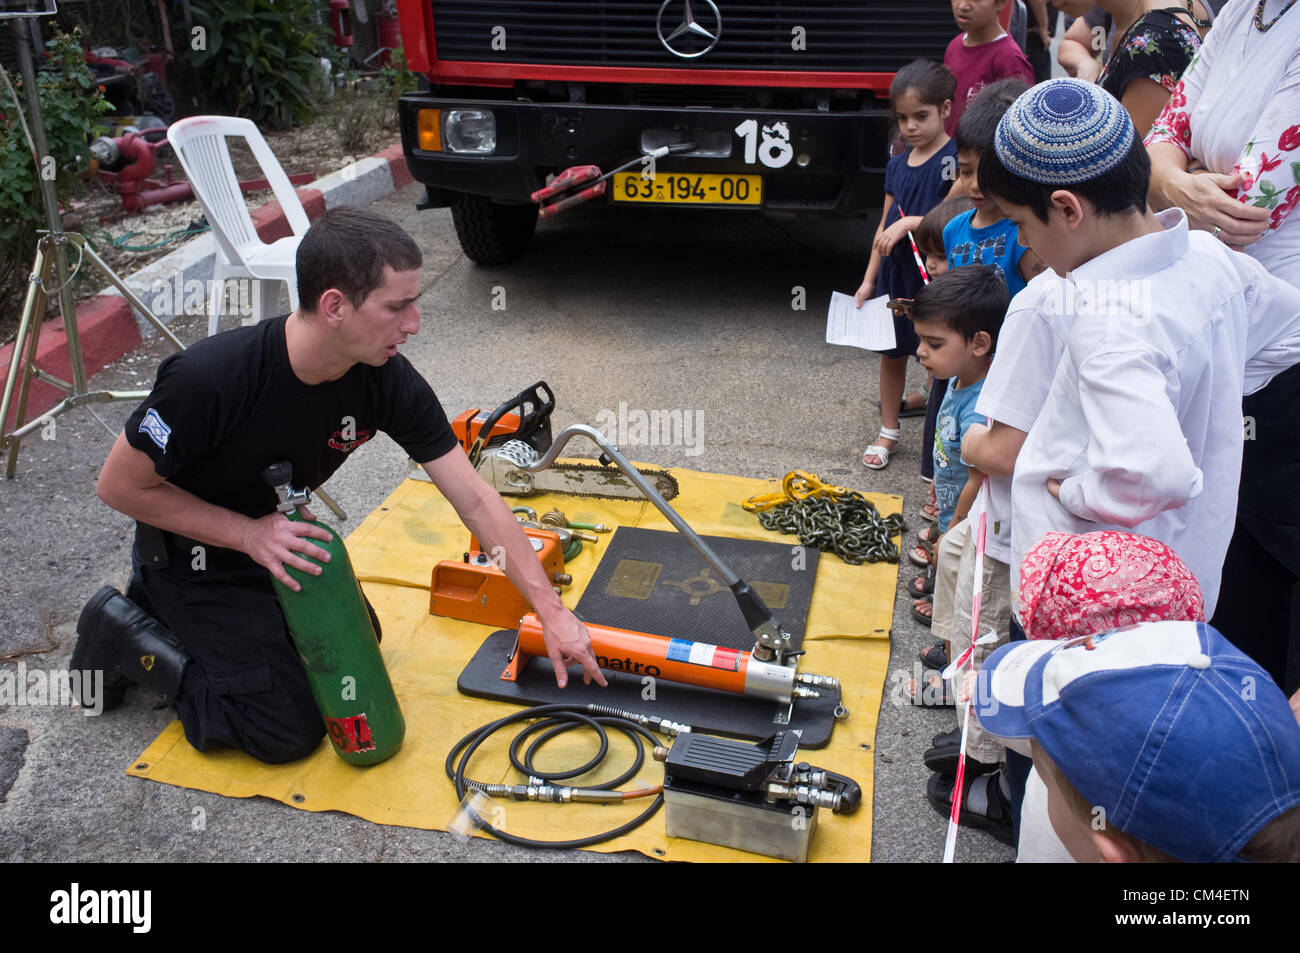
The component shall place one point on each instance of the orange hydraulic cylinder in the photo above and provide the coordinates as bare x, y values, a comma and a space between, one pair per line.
674, 660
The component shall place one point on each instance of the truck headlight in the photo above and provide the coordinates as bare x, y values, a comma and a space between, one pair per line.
470, 131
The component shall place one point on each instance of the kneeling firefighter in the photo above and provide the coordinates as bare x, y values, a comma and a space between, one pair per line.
200, 623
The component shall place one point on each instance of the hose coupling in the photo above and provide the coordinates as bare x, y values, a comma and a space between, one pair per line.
653, 722
802, 794
817, 681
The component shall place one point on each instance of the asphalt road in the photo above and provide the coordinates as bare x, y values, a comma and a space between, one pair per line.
659, 309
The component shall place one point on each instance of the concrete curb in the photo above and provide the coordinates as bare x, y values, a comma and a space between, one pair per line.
177, 283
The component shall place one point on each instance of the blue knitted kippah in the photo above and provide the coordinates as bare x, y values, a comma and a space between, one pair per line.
1063, 132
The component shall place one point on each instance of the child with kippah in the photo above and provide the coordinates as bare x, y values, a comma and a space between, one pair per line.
1151, 333
1165, 330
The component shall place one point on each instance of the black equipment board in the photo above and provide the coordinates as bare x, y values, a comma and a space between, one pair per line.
701, 708
653, 581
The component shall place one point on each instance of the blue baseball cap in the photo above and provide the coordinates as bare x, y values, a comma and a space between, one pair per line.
1183, 741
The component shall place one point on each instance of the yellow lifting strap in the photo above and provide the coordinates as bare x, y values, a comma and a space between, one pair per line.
797, 485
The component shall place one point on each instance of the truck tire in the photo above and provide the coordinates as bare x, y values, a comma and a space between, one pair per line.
490, 233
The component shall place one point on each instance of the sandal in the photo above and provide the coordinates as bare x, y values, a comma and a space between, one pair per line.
935, 657
919, 555
983, 803
932, 696
930, 535
924, 619
930, 511
922, 585
879, 452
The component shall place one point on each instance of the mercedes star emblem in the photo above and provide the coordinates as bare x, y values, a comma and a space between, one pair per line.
689, 25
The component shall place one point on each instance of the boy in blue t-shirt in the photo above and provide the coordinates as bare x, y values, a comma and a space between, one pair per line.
984, 236
957, 317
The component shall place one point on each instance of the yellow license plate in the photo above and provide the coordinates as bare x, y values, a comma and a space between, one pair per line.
687, 188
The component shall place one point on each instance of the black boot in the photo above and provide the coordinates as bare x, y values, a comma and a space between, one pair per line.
116, 636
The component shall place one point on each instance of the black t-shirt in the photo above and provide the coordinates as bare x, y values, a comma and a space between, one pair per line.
230, 405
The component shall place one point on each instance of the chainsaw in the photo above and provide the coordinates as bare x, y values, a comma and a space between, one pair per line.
501, 443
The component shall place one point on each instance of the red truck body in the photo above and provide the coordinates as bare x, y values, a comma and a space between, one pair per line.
779, 106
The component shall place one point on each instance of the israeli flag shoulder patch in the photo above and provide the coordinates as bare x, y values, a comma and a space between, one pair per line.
157, 430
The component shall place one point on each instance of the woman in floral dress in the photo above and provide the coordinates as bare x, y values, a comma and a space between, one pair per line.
1226, 150
1153, 43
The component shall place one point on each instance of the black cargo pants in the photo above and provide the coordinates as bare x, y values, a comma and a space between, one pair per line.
245, 686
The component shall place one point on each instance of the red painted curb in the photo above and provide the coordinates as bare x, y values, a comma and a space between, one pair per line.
106, 325
107, 331
397, 165
271, 223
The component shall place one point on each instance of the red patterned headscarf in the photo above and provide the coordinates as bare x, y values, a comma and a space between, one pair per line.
1072, 586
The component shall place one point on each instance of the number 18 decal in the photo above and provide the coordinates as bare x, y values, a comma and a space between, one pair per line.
774, 151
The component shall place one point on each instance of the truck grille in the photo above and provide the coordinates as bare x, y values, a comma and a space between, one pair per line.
838, 35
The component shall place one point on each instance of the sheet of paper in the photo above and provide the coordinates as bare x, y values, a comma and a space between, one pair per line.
870, 327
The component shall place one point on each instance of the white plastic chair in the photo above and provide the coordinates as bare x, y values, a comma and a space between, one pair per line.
200, 144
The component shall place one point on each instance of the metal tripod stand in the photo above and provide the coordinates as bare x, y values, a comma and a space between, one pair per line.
51, 256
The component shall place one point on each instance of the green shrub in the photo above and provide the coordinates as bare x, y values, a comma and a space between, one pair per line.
365, 112
70, 104
260, 58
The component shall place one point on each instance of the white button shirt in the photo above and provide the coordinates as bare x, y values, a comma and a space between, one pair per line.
1142, 424
1030, 345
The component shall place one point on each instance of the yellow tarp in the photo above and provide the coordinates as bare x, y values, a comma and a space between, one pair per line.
401, 541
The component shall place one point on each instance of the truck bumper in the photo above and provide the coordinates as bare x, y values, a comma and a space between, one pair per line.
810, 161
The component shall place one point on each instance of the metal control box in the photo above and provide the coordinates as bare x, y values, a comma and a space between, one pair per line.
743, 820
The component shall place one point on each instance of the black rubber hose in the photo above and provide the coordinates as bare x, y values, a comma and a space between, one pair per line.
526, 765
557, 725
562, 713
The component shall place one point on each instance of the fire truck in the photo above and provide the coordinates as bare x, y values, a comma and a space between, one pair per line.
773, 106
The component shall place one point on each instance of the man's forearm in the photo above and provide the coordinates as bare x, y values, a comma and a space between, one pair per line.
495, 526
170, 508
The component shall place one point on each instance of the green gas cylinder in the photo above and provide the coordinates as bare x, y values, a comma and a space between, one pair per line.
332, 632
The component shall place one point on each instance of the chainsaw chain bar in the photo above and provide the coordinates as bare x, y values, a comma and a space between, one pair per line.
663, 481
523, 455
850, 527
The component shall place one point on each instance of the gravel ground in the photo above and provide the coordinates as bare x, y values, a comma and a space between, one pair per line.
662, 310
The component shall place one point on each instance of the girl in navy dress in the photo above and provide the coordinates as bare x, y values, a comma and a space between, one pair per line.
915, 182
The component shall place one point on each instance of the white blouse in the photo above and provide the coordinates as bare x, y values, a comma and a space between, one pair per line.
1237, 108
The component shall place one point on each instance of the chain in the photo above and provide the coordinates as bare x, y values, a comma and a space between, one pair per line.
845, 523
